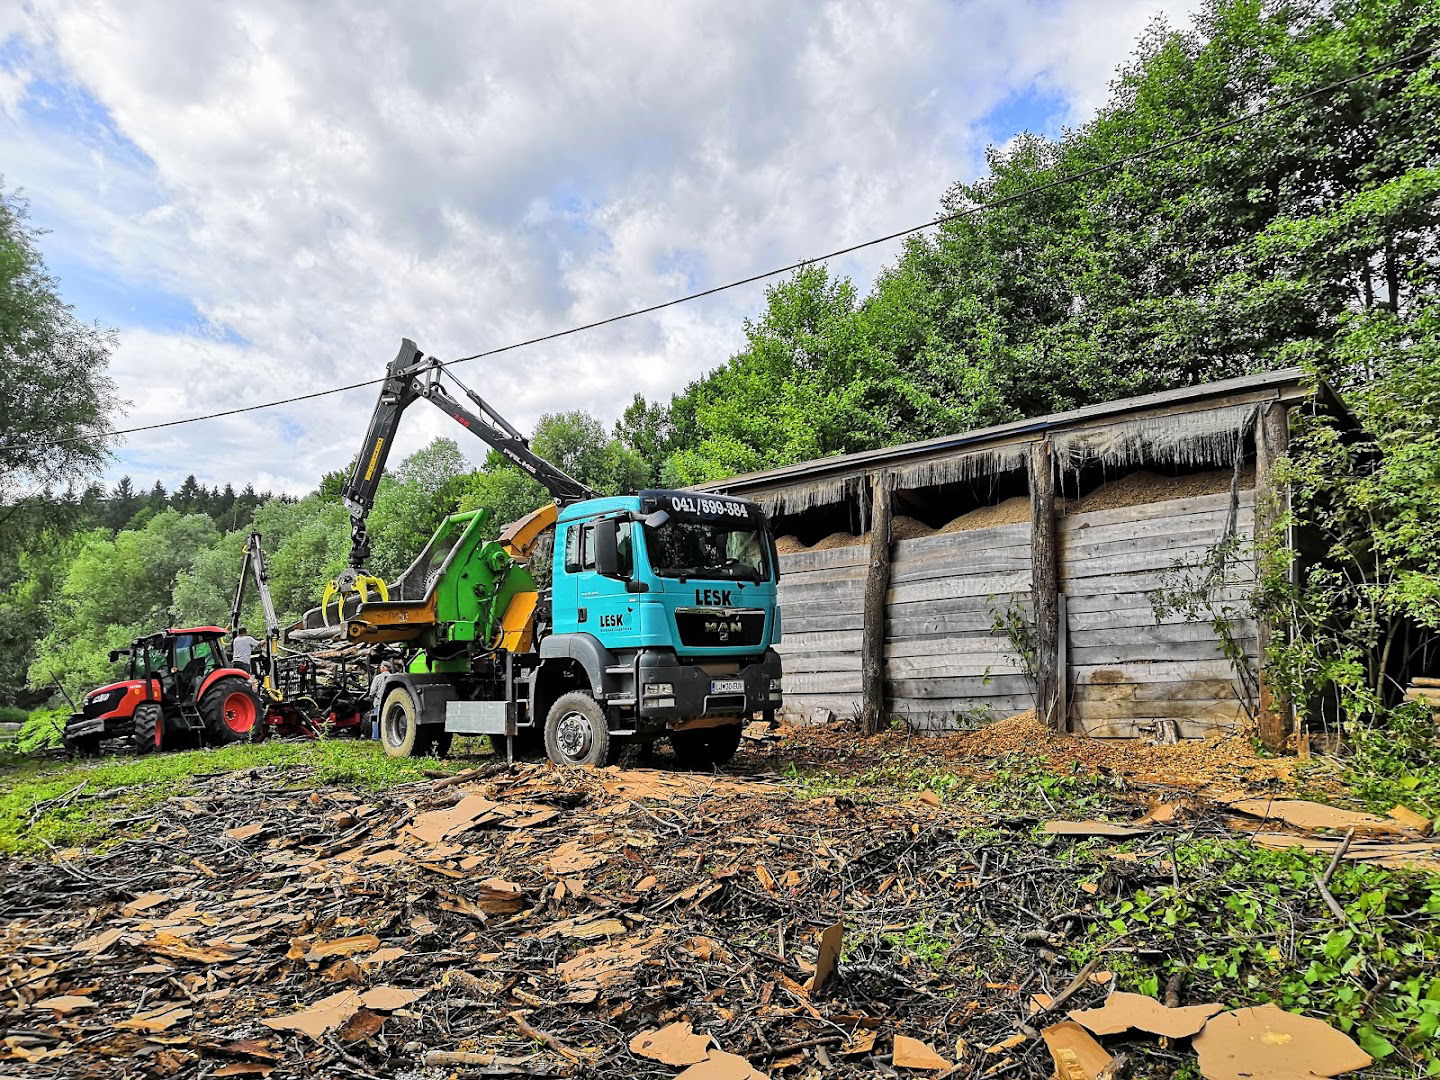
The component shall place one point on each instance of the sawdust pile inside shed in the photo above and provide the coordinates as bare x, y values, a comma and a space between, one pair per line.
1146, 487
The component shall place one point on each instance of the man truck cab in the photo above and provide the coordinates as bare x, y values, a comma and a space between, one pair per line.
665, 602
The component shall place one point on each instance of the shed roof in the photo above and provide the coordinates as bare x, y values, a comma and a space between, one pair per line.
1192, 424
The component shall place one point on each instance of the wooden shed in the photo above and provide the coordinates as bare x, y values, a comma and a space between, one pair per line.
1095, 565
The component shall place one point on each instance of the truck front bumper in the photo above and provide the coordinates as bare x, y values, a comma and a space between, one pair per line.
669, 690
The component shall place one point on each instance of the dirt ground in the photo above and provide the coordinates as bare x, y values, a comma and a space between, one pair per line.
824, 908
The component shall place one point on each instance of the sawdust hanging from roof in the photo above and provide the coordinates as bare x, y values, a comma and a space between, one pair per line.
1140, 487
1010, 512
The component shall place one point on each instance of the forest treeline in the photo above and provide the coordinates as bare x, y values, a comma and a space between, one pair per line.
1307, 235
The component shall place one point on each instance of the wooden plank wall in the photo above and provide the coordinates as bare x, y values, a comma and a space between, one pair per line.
942, 659
1125, 670
945, 664
821, 604
945, 661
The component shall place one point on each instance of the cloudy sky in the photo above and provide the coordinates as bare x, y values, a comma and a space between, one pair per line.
263, 197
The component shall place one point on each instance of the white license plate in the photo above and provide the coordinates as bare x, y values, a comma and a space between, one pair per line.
727, 686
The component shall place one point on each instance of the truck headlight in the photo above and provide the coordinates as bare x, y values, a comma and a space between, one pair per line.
659, 689
774, 686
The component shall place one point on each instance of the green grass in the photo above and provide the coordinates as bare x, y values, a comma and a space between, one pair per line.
1016, 784
127, 786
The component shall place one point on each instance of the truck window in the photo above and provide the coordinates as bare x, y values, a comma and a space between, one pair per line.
714, 549
580, 549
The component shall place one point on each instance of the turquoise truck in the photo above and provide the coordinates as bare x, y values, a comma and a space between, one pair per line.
590, 622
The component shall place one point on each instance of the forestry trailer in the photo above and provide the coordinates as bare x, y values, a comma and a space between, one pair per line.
646, 615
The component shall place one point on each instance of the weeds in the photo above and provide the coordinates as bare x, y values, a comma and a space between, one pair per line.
61, 804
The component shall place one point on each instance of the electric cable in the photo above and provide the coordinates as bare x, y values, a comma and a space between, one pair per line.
991, 204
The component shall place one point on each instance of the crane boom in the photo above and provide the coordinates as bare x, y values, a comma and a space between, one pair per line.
412, 375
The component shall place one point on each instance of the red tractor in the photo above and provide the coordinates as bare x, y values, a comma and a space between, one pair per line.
179, 690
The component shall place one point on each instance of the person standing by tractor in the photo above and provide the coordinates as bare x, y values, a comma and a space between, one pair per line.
377, 689
242, 650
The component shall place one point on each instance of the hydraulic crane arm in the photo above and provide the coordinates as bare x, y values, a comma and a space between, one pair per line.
252, 565
412, 375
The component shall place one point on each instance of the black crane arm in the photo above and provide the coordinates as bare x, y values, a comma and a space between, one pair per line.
409, 376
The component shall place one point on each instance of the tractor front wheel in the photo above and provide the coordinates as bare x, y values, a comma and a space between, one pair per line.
147, 729
232, 710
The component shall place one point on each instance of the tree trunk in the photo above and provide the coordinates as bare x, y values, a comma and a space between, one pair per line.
877, 587
1045, 585
1272, 442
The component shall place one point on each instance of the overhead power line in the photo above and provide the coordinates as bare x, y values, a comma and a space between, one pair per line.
1070, 178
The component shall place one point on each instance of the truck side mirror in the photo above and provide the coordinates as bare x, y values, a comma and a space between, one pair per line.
607, 548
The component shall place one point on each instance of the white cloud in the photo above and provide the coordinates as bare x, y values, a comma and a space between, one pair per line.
326, 178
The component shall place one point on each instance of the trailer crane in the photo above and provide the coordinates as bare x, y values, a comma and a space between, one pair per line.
408, 378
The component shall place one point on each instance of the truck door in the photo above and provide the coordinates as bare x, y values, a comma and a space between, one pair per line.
598, 605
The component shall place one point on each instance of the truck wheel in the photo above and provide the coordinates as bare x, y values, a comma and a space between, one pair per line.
232, 710
147, 729
706, 748
576, 732
400, 732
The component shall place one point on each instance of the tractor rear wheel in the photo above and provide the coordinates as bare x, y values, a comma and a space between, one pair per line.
705, 748
232, 710
147, 729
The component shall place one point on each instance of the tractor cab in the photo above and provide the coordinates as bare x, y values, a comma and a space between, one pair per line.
178, 689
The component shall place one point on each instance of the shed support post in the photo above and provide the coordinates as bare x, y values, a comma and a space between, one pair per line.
1045, 585
1272, 442
877, 588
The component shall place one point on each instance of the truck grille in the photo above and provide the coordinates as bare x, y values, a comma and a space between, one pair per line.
714, 628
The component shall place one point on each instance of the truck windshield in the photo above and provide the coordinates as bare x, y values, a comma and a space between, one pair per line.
709, 549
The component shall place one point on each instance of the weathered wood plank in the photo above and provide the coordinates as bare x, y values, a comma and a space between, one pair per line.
800, 624
800, 562
935, 667
941, 716
1133, 728
1178, 710
1161, 671
1139, 561
1000, 562
960, 587
1140, 582
1174, 541
1146, 652
1164, 633
960, 624
1083, 529
843, 641
929, 689
823, 682
1197, 504
1126, 599
988, 645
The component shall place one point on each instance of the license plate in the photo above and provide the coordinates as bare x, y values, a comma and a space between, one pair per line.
727, 686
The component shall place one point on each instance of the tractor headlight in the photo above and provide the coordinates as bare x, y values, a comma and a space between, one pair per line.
659, 689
